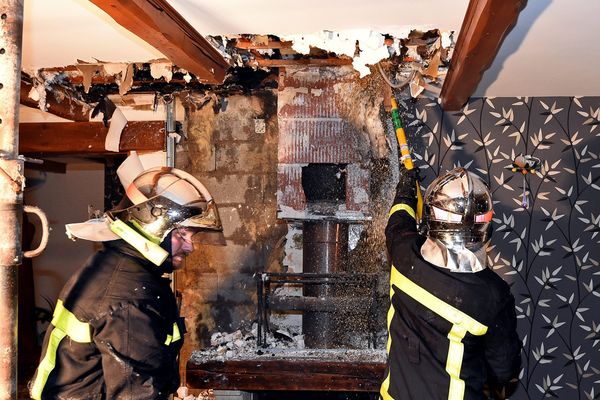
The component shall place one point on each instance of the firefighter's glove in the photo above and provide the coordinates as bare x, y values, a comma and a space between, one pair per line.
407, 185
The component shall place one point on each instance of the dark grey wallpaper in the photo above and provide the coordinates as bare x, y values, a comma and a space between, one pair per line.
549, 251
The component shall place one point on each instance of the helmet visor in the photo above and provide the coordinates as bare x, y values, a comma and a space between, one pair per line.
164, 198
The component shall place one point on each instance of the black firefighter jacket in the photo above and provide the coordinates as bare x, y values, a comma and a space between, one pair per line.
449, 333
116, 332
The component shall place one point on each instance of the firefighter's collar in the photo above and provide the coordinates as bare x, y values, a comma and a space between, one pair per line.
456, 259
104, 229
95, 230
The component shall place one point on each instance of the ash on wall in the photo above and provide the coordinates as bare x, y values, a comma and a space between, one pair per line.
548, 251
231, 148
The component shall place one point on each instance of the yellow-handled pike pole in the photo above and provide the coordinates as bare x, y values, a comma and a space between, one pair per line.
405, 152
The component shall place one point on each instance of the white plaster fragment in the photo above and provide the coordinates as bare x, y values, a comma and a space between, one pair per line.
113, 137
114, 68
161, 70
371, 44
446, 39
88, 71
34, 94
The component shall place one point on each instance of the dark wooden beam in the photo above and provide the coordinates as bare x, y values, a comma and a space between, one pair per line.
485, 25
59, 101
286, 375
161, 26
87, 137
47, 166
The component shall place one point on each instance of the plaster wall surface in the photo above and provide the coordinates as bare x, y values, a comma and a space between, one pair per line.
61, 197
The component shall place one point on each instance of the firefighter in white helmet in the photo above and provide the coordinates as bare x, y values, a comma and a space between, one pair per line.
452, 322
116, 331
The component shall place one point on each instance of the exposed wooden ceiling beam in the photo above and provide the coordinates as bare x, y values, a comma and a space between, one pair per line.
59, 101
88, 137
161, 26
483, 29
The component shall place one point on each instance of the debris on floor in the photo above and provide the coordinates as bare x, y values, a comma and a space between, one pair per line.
183, 393
279, 344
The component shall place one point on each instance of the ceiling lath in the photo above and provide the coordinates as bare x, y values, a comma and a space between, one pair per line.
483, 29
161, 26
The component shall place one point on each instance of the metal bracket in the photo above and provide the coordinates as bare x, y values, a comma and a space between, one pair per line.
171, 129
45, 231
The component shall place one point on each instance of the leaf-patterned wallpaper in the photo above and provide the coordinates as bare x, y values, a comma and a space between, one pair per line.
549, 252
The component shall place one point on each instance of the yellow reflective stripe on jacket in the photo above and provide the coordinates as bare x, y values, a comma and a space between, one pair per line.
145, 246
66, 321
385, 385
65, 324
175, 336
402, 206
47, 364
461, 324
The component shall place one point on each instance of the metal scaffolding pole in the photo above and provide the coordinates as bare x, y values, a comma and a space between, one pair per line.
11, 190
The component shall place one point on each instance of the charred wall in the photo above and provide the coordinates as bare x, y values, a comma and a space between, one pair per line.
231, 148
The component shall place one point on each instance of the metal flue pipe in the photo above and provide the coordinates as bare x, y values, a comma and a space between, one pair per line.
11, 190
324, 251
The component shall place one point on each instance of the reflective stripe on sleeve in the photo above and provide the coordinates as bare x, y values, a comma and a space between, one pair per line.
461, 324
66, 321
175, 336
385, 385
402, 206
65, 325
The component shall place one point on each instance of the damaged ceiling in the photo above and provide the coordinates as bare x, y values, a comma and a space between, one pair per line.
550, 51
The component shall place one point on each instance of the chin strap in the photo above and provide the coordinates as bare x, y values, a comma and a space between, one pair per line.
147, 248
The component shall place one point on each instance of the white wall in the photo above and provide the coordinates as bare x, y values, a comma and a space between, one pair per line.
64, 198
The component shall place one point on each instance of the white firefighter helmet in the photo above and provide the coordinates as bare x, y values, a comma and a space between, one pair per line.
164, 198
157, 201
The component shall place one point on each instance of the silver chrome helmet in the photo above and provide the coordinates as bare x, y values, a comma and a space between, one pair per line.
457, 210
164, 198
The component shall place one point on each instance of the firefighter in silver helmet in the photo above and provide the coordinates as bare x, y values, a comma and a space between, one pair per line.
116, 331
457, 221
452, 322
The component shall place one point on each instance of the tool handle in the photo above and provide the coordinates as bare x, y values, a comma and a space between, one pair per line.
401, 136
405, 152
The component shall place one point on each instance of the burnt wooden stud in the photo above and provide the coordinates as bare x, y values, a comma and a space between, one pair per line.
59, 101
